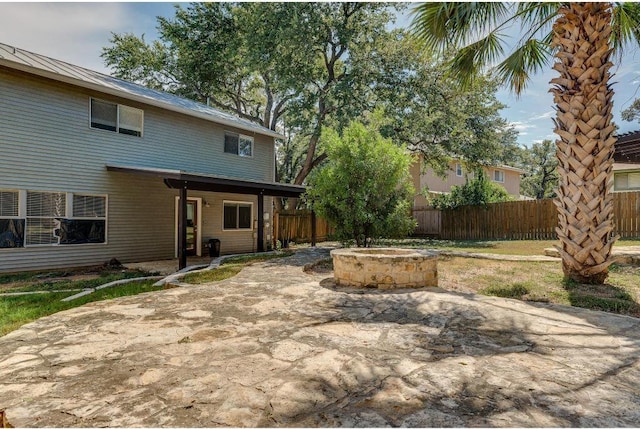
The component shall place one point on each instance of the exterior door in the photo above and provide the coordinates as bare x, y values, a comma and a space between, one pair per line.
192, 228
194, 223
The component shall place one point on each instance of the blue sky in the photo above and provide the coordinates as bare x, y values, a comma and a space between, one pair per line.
76, 32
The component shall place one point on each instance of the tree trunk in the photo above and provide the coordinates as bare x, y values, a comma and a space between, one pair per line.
583, 122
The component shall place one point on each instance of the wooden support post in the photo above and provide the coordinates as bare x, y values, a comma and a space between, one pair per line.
313, 229
261, 222
182, 228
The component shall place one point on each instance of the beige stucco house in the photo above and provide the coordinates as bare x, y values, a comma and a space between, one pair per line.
508, 177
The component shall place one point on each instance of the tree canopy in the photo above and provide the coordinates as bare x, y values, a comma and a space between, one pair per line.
541, 177
300, 67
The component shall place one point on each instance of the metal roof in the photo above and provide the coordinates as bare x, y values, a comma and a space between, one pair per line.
212, 183
41, 65
628, 148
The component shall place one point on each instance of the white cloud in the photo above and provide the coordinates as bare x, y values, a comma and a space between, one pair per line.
545, 115
72, 32
521, 127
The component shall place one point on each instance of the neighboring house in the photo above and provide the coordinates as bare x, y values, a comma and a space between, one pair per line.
508, 177
94, 168
626, 177
626, 167
627, 149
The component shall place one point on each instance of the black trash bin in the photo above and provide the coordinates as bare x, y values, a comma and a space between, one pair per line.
214, 247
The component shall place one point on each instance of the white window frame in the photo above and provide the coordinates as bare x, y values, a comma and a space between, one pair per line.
237, 203
240, 138
22, 215
458, 169
118, 106
500, 174
72, 215
27, 217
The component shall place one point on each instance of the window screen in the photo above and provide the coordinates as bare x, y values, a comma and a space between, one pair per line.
11, 229
498, 176
9, 203
104, 115
245, 146
44, 211
230, 216
130, 121
621, 181
89, 206
231, 143
244, 216
237, 216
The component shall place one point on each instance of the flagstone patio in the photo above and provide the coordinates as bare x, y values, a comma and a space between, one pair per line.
278, 346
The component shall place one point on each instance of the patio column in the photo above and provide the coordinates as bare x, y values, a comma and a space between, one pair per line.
261, 221
182, 228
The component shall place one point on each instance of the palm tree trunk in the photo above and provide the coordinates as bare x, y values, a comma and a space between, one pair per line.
585, 148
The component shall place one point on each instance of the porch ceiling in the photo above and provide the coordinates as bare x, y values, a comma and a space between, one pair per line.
178, 179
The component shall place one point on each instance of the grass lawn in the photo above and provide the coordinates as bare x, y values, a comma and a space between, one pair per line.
507, 247
542, 282
15, 311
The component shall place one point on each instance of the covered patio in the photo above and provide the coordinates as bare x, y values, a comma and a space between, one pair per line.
191, 181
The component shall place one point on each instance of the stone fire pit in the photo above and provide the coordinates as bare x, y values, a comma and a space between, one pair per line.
385, 268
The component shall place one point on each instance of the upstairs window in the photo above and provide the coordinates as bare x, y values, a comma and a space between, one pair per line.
116, 117
498, 176
238, 144
459, 170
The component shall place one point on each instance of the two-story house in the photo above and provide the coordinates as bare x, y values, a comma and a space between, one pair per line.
626, 168
94, 168
507, 177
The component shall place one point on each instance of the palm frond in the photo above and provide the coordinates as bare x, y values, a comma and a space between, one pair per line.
625, 25
537, 17
475, 32
446, 25
526, 60
469, 60
533, 14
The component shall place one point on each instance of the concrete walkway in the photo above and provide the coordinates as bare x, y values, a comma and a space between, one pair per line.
275, 346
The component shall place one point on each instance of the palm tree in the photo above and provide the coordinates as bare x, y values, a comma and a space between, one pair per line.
582, 38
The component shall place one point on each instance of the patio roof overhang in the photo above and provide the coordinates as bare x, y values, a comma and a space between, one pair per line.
178, 179
184, 181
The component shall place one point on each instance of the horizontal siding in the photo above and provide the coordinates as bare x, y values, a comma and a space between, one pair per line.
47, 144
45, 133
140, 227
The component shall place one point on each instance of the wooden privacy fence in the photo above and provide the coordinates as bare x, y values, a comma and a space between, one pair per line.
521, 220
428, 220
513, 220
295, 225
626, 212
